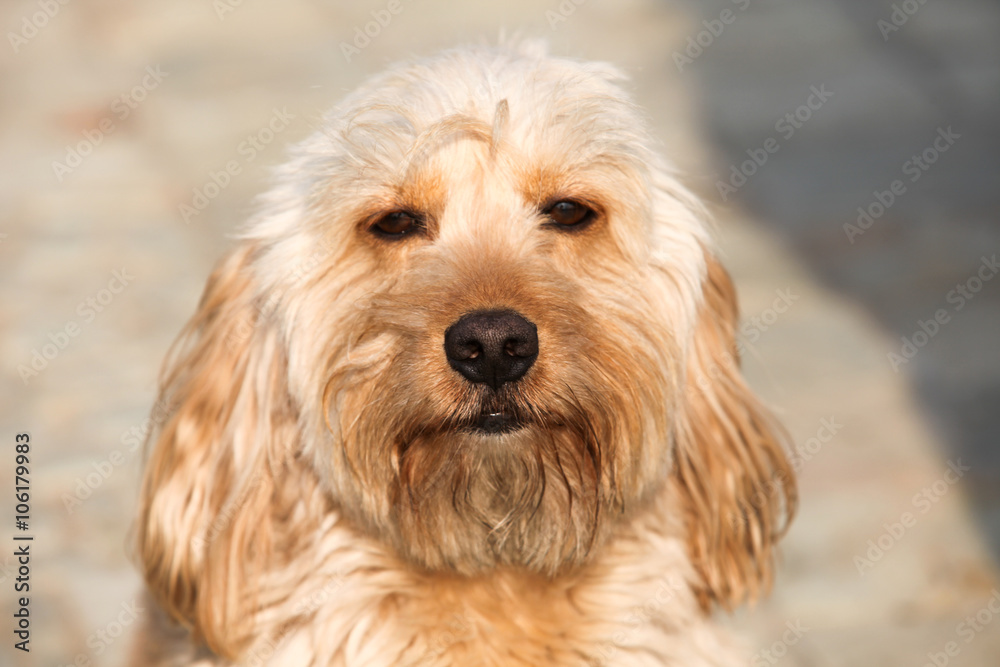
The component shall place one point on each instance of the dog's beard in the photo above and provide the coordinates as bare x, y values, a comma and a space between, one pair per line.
503, 482
494, 478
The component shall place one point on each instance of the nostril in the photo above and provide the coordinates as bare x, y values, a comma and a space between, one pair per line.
515, 347
466, 350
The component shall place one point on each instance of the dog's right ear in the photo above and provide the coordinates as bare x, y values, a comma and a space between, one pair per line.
205, 525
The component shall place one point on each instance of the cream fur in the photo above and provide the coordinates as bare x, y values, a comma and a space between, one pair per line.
313, 499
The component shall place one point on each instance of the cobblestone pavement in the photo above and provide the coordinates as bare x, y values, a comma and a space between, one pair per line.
141, 100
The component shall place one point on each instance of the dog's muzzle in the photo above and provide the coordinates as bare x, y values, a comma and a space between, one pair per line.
492, 347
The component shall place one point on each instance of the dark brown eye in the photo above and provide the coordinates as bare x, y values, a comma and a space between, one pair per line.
569, 213
396, 225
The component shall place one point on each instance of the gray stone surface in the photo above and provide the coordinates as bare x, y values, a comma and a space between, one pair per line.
825, 358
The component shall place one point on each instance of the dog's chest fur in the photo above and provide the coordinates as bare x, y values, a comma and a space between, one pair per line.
360, 607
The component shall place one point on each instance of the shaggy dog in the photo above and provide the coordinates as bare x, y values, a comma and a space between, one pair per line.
465, 393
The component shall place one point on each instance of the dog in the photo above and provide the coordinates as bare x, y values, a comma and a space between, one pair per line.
465, 392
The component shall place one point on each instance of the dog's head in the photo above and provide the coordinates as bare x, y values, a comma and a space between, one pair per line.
479, 319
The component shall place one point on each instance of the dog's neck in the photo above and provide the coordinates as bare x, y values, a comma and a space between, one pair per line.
633, 597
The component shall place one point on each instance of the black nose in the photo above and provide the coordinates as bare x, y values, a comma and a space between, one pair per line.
491, 346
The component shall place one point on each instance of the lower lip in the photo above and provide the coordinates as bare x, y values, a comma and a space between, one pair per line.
496, 423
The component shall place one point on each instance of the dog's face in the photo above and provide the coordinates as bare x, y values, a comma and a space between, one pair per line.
494, 331
480, 320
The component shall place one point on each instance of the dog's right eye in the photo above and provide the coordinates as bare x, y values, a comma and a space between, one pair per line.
396, 225
569, 214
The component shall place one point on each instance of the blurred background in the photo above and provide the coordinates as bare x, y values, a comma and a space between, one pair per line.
848, 149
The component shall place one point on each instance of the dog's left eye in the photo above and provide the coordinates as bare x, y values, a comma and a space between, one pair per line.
397, 224
569, 213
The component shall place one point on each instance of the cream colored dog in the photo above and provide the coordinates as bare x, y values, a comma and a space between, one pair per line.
465, 393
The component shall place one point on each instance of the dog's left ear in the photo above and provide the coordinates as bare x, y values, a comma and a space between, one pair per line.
736, 483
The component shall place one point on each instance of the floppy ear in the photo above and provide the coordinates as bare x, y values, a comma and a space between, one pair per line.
208, 500
736, 483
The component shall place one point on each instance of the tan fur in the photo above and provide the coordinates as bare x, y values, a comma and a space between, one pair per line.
737, 483
315, 498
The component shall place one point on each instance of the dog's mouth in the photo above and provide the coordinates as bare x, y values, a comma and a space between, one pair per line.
494, 415
497, 422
